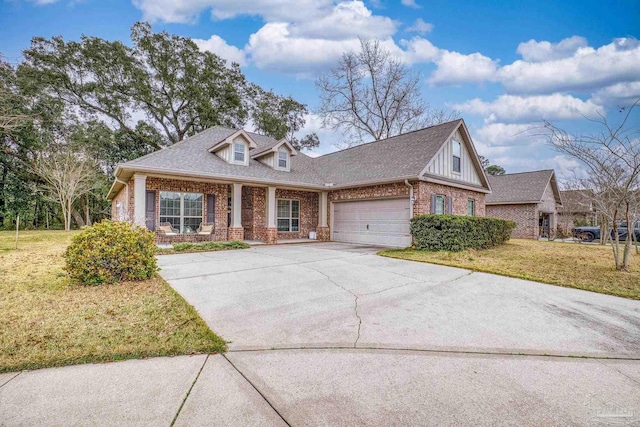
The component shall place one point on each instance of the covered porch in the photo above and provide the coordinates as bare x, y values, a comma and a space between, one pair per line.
257, 213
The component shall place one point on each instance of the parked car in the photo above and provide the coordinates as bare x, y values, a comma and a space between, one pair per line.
590, 233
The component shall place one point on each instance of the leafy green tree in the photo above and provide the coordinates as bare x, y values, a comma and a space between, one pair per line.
495, 170
281, 117
157, 92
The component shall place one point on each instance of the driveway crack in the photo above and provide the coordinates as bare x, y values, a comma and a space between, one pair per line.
355, 296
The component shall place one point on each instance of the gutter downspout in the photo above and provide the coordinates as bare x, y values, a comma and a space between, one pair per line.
411, 197
126, 185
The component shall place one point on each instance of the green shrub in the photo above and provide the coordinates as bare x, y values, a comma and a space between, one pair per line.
209, 246
455, 233
110, 252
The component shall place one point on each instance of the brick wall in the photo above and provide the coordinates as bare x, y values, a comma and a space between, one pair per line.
221, 192
525, 217
460, 197
308, 212
254, 212
121, 197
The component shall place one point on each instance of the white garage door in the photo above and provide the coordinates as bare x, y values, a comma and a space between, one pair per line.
372, 222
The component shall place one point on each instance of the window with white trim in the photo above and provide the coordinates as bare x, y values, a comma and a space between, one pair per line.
288, 215
457, 153
239, 152
440, 204
182, 210
283, 158
471, 207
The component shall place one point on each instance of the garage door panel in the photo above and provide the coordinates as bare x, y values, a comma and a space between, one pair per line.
377, 222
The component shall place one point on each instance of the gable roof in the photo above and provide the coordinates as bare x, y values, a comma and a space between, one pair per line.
523, 187
393, 159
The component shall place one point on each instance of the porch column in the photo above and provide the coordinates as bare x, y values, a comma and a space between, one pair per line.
322, 232
139, 199
236, 232
272, 230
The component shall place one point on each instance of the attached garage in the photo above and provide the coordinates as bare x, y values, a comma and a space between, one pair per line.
382, 222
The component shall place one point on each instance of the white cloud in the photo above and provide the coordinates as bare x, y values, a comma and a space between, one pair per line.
513, 108
274, 48
415, 50
535, 51
220, 47
457, 68
620, 94
420, 27
507, 134
347, 19
410, 3
587, 70
185, 11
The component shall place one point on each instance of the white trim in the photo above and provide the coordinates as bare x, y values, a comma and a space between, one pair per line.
182, 216
139, 199
229, 140
290, 217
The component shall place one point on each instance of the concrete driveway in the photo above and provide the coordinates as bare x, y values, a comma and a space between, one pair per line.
333, 335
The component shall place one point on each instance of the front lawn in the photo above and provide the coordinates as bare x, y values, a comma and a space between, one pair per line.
47, 321
588, 267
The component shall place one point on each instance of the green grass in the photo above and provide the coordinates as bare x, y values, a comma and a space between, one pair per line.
47, 321
588, 267
186, 247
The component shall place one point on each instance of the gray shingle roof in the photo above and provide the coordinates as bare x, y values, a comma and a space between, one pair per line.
399, 157
191, 156
525, 187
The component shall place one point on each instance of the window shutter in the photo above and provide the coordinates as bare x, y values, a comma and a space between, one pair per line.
449, 205
433, 203
211, 209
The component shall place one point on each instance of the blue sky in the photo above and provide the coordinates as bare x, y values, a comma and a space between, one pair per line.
505, 65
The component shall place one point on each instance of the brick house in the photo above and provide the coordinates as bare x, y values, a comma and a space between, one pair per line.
577, 207
253, 187
531, 199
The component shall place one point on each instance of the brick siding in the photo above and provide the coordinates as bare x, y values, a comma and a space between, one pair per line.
308, 212
460, 198
525, 217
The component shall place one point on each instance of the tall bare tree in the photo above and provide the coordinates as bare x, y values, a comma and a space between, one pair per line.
612, 160
371, 94
66, 175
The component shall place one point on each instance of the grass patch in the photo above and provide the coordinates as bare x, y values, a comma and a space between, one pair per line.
47, 321
588, 267
186, 247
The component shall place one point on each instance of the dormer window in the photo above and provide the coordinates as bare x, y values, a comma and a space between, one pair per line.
239, 152
283, 158
457, 151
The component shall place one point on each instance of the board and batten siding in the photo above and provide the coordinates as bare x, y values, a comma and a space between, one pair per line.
442, 163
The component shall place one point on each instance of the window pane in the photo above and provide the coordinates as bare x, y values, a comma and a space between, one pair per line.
169, 203
440, 205
456, 164
238, 152
295, 209
456, 148
283, 225
193, 204
283, 156
295, 225
283, 208
471, 207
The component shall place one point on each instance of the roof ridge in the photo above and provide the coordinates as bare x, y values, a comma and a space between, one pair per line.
522, 173
387, 139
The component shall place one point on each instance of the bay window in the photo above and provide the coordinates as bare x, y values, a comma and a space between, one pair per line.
182, 210
288, 215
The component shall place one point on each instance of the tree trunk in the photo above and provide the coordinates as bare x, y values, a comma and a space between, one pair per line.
615, 241
627, 245
3, 200
77, 217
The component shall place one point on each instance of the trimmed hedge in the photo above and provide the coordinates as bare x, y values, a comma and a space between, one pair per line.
110, 252
456, 233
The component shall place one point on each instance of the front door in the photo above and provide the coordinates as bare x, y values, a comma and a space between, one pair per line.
150, 210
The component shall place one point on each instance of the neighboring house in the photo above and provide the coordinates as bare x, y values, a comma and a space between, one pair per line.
577, 209
531, 199
256, 188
